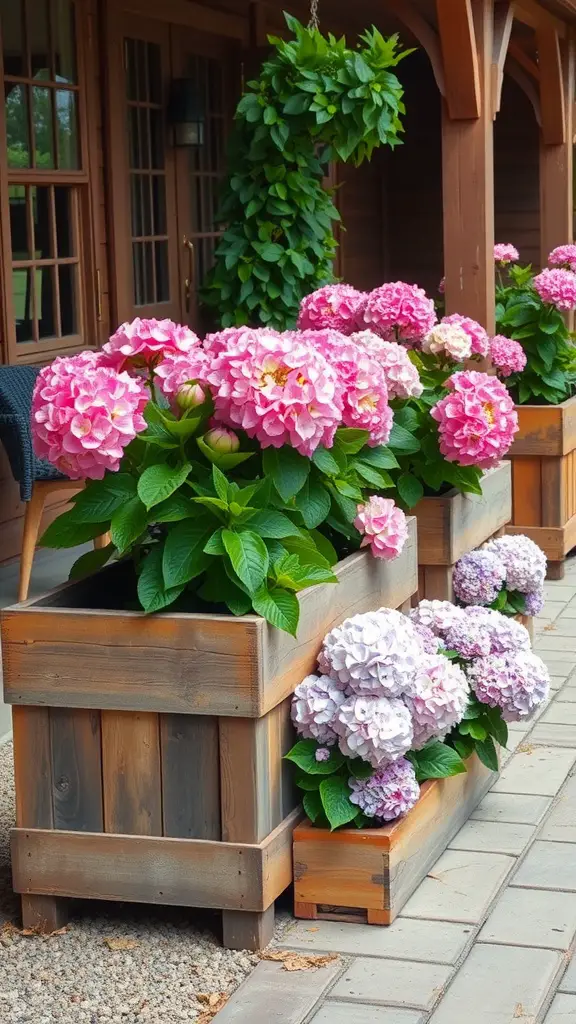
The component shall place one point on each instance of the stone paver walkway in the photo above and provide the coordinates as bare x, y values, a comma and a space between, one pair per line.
488, 936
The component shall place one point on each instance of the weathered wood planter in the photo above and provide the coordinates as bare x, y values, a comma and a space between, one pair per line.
451, 525
148, 749
369, 874
543, 460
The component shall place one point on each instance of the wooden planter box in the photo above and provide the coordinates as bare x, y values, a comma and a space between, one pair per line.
543, 460
148, 748
451, 525
369, 874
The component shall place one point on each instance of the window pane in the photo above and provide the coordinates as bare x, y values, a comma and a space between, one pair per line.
144, 113
162, 286
17, 135
23, 306
157, 139
66, 115
68, 281
159, 204
42, 222
136, 204
43, 132
154, 73
63, 40
45, 302
12, 37
38, 39
134, 137
137, 270
62, 206
18, 223
130, 62
142, 69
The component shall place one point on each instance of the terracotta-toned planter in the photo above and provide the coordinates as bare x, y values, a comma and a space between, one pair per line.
543, 460
454, 523
148, 748
369, 874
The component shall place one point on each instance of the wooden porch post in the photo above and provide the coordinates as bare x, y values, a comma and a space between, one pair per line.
467, 154
556, 65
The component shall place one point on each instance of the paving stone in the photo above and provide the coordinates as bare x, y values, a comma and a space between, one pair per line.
499, 985
357, 1013
562, 1011
459, 887
561, 664
271, 995
567, 693
393, 983
532, 917
539, 771
568, 982
561, 825
560, 591
569, 612
560, 627
557, 682
554, 735
512, 807
550, 641
549, 866
560, 712
498, 837
405, 939
551, 609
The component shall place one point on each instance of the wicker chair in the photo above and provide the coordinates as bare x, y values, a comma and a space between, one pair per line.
36, 477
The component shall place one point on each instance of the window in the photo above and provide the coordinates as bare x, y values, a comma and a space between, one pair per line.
207, 162
46, 178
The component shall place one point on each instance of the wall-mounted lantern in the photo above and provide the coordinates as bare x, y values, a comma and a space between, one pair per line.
185, 113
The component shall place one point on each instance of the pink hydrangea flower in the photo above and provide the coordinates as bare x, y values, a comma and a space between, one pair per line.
399, 312
383, 526
558, 287
479, 340
315, 706
507, 355
278, 389
440, 700
388, 794
505, 253
372, 653
145, 341
364, 392
402, 378
442, 285
236, 337
563, 256
377, 729
334, 305
517, 683
438, 616
84, 415
476, 421
448, 340
177, 368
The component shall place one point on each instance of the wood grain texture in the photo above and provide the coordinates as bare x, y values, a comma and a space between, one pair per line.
545, 429
149, 869
32, 767
44, 914
555, 542
553, 482
131, 773
527, 490
379, 869
460, 58
76, 769
190, 776
454, 523
243, 930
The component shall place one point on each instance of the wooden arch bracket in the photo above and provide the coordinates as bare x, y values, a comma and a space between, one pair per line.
424, 33
552, 100
503, 21
529, 87
460, 56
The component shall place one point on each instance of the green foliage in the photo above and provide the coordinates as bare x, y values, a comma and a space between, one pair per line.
316, 100
550, 373
481, 728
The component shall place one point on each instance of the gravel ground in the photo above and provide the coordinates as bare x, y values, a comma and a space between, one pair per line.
76, 978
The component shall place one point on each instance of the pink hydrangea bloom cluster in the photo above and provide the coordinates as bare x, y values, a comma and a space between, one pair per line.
397, 311
383, 526
558, 287
517, 683
315, 706
145, 341
177, 368
478, 577
402, 377
505, 634
507, 355
476, 421
84, 414
448, 340
437, 616
389, 793
477, 334
524, 567
335, 305
474, 631
505, 253
364, 391
439, 698
563, 256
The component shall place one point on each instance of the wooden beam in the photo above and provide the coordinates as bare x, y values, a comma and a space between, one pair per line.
551, 86
556, 161
458, 43
424, 33
503, 21
526, 83
522, 58
529, 12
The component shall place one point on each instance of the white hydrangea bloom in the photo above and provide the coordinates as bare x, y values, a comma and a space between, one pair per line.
373, 653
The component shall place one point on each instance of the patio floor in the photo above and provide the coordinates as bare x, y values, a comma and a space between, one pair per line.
486, 939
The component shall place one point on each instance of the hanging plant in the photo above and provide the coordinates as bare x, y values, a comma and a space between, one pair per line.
315, 101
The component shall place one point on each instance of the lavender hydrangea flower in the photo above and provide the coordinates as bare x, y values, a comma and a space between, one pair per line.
523, 560
478, 577
373, 653
322, 754
376, 729
516, 683
388, 794
534, 602
315, 705
440, 701
429, 641
505, 635
438, 616
468, 638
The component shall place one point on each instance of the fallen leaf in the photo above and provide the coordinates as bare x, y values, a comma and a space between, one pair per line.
299, 961
312, 929
11, 929
214, 1001
118, 944
525, 748
518, 1010
549, 628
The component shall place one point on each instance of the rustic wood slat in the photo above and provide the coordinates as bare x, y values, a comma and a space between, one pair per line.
247, 811
190, 776
553, 483
527, 489
32, 767
44, 914
545, 429
555, 542
76, 769
150, 869
460, 58
131, 773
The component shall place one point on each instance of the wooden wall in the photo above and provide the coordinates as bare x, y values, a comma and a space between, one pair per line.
517, 174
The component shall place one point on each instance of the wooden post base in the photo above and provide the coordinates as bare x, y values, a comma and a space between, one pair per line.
243, 929
555, 571
44, 914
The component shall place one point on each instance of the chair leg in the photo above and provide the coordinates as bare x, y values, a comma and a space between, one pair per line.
32, 520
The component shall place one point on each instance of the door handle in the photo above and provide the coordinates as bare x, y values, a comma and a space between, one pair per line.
189, 281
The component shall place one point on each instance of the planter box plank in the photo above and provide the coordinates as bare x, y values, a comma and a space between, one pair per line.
131, 775
189, 746
76, 747
545, 429
32, 767
377, 870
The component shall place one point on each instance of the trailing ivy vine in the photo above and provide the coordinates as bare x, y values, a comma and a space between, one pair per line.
316, 100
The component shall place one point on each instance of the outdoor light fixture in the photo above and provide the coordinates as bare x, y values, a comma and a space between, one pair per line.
185, 113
